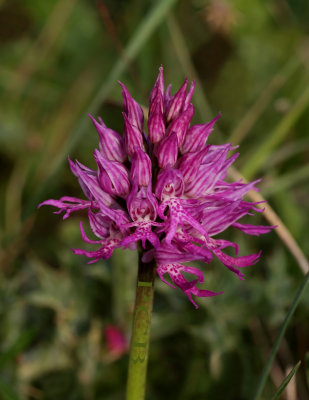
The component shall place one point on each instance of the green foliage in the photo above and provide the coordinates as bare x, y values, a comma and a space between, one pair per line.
286, 382
61, 60
7, 392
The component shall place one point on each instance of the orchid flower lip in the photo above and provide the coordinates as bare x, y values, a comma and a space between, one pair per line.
160, 186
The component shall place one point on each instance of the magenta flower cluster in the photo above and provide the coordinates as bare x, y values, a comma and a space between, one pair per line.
165, 189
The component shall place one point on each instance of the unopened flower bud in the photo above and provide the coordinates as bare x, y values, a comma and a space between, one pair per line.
156, 124
132, 109
176, 103
189, 96
197, 135
140, 168
167, 151
132, 137
158, 86
111, 143
89, 183
113, 176
180, 124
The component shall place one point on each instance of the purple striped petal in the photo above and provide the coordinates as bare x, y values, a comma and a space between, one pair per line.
167, 96
140, 172
207, 176
197, 135
85, 237
189, 164
158, 86
180, 124
132, 109
112, 175
176, 103
156, 124
90, 184
133, 137
167, 151
111, 143
189, 96
167, 254
254, 229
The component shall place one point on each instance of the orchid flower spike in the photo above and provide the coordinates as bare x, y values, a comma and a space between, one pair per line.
165, 190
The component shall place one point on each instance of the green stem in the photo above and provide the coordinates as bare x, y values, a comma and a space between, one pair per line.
276, 345
136, 383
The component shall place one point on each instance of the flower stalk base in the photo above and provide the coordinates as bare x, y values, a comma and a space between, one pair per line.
138, 360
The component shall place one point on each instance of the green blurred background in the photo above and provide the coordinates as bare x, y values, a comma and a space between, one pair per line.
61, 59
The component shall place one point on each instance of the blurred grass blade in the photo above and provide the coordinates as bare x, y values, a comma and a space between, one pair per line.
17, 347
7, 392
276, 345
138, 40
291, 149
286, 382
286, 181
276, 136
256, 110
307, 368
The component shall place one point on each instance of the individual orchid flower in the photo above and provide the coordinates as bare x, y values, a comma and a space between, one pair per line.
142, 206
165, 190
